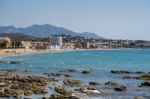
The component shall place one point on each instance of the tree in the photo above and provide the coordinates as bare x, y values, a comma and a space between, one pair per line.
4, 44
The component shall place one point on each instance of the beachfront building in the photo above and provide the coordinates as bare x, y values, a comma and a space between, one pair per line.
5, 42
68, 46
35, 45
55, 42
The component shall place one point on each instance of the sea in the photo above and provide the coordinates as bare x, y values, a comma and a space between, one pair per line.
100, 61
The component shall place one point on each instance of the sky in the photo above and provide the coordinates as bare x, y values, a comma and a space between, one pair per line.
115, 19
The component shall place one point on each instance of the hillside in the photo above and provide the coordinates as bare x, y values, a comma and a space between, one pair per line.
45, 30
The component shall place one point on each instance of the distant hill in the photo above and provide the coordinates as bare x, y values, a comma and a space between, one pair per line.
18, 36
45, 30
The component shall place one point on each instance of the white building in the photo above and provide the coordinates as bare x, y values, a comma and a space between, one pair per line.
55, 42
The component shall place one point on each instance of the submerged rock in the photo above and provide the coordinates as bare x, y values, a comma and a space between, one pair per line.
145, 84
110, 83
94, 83
60, 89
120, 88
120, 72
142, 77
139, 97
55, 96
86, 71
71, 82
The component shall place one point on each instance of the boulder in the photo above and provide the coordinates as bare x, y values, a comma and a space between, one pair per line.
110, 83
120, 88
120, 72
86, 71
139, 97
145, 84
60, 89
94, 83
71, 82
28, 93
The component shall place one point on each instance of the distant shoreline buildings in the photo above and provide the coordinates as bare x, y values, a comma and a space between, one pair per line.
71, 42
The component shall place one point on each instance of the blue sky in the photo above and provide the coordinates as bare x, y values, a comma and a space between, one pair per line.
125, 19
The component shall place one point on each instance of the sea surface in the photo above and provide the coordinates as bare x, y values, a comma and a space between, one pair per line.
100, 61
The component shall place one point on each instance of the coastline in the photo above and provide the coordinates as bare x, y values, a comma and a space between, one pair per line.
20, 52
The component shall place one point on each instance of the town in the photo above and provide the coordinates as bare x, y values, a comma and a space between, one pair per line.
66, 42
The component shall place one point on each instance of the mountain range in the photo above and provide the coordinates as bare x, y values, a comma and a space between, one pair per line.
45, 30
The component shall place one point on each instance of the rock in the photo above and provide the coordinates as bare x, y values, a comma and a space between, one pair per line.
28, 93
73, 97
45, 98
140, 72
120, 72
54, 74
91, 88
71, 82
60, 89
55, 96
40, 91
66, 75
128, 77
139, 97
110, 83
86, 71
92, 91
79, 89
145, 84
144, 77
94, 83
71, 70
12, 92
121, 88
53, 79
15, 62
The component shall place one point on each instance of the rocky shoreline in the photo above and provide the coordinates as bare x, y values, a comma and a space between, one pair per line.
12, 84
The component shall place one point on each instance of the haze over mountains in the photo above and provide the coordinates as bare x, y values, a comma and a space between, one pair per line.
45, 30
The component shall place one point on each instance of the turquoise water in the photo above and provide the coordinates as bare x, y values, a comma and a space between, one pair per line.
100, 61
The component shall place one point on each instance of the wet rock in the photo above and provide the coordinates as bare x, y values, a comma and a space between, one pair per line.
45, 98
94, 83
91, 88
54, 74
71, 82
66, 75
11, 92
128, 77
86, 71
139, 97
40, 91
71, 70
144, 77
121, 88
79, 89
120, 72
15, 62
145, 84
139, 72
53, 79
110, 83
60, 89
55, 96
73, 97
91, 91
28, 93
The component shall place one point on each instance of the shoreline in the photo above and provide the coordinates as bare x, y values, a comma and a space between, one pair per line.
22, 52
